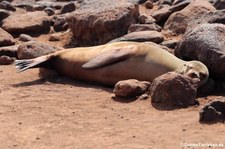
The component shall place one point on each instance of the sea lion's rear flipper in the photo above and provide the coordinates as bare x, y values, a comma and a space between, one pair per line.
23, 65
110, 56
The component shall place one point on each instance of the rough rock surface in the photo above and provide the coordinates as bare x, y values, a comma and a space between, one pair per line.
213, 112
4, 14
174, 89
141, 36
178, 21
30, 22
6, 60
10, 51
34, 49
98, 26
202, 44
131, 88
144, 27
5, 38
211, 17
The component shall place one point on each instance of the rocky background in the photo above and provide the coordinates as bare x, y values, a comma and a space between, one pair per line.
61, 113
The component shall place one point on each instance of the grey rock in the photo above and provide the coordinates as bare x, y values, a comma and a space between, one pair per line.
202, 44
25, 38
141, 36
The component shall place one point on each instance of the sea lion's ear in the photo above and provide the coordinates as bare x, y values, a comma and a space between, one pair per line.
111, 56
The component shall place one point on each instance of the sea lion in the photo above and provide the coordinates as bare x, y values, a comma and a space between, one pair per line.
107, 64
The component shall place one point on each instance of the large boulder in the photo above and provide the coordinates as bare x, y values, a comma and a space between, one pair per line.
178, 21
205, 43
29, 23
173, 89
217, 16
99, 23
5, 38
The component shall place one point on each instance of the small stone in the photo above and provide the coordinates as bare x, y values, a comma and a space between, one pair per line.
6, 60
213, 112
70, 7
130, 88
25, 38
146, 19
49, 11
148, 5
170, 43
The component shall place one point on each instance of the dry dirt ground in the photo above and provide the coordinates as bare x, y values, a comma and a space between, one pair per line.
61, 113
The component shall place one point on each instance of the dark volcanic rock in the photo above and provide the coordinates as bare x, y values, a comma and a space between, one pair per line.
219, 4
7, 6
29, 23
213, 112
178, 21
141, 36
173, 89
100, 25
68, 8
205, 43
10, 51
131, 88
34, 49
5, 38
4, 14
60, 24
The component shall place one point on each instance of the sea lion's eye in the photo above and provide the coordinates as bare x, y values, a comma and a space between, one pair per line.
193, 75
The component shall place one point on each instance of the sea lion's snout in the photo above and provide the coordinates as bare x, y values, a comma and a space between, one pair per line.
196, 69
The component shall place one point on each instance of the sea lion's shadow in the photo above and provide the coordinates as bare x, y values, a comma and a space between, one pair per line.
63, 80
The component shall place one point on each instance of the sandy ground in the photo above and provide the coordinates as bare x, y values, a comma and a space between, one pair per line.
64, 114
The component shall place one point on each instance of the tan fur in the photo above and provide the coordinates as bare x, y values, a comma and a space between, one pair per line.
143, 62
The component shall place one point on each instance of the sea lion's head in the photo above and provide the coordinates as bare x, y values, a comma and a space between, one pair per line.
196, 69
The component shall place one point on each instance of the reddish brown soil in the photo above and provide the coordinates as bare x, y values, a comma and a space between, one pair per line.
62, 113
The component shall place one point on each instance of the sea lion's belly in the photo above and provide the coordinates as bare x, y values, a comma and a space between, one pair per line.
139, 68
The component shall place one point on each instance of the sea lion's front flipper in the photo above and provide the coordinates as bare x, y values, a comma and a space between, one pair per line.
111, 56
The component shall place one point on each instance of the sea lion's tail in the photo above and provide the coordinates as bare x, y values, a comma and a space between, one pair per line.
25, 64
